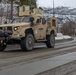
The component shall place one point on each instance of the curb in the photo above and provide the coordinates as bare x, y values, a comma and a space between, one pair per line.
64, 40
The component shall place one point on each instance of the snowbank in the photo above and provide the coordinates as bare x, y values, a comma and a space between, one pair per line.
60, 36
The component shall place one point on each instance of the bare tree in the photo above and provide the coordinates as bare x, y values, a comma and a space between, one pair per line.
69, 28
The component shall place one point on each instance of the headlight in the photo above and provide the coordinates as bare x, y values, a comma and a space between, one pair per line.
16, 28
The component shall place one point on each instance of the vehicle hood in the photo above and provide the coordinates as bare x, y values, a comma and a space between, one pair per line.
14, 24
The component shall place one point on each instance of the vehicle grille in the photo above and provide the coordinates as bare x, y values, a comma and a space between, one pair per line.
6, 28
9, 28
1, 28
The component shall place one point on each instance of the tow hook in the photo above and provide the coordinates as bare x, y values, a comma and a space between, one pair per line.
2, 42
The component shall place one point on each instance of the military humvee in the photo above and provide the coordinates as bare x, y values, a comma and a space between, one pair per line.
30, 27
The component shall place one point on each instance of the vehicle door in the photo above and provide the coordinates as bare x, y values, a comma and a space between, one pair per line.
40, 29
43, 28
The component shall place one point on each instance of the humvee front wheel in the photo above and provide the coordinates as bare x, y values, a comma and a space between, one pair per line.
2, 47
27, 43
50, 41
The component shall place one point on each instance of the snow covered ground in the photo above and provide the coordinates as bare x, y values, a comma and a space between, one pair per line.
60, 36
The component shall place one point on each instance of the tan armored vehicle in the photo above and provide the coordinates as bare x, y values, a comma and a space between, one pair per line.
30, 27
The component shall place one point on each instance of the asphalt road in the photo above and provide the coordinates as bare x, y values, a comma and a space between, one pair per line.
13, 61
19, 67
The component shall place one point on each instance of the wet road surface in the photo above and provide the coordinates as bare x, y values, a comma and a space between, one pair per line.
13, 61
38, 66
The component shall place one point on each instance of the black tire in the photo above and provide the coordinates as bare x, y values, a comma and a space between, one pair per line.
2, 48
50, 41
27, 44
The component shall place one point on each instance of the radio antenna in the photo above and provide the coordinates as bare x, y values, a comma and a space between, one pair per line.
53, 9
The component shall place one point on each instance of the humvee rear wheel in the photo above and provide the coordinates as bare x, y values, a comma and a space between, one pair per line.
2, 47
50, 41
27, 43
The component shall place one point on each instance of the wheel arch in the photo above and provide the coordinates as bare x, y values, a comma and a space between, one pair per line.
27, 31
52, 32
30, 30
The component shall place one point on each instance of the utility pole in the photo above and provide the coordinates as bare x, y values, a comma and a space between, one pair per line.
53, 9
7, 12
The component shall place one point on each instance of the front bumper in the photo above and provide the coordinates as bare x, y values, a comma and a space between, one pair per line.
3, 38
6, 39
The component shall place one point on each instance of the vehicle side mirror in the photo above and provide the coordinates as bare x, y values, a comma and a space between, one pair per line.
38, 21
31, 20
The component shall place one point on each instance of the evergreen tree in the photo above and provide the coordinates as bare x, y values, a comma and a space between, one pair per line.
21, 2
28, 2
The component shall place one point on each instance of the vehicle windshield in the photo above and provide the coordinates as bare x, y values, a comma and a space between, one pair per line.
16, 20
26, 19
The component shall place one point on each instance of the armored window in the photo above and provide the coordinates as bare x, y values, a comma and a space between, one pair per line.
27, 19
54, 22
16, 20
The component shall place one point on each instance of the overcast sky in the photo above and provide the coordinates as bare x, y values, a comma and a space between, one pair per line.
49, 3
